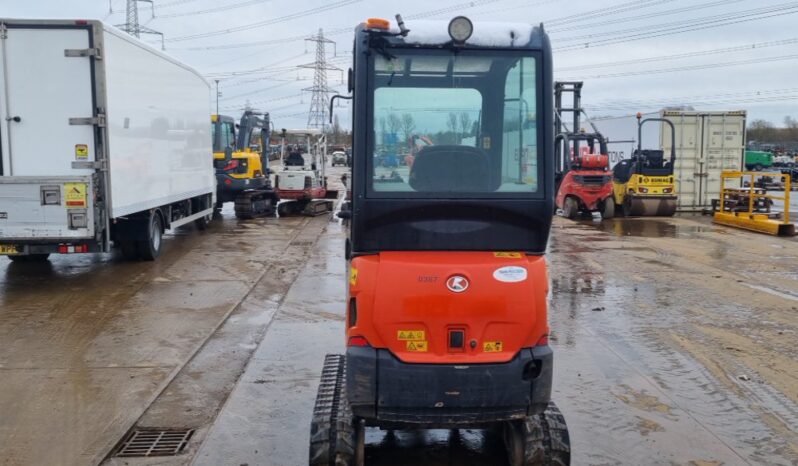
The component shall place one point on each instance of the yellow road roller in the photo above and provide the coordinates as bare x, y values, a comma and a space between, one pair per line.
644, 185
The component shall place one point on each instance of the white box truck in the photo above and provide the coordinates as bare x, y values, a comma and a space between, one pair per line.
707, 143
104, 141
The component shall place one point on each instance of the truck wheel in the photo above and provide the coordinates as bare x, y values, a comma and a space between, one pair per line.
608, 208
130, 250
758, 167
150, 247
30, 258
570, 208
203, 222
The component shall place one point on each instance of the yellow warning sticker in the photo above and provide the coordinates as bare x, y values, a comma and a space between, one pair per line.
81, 151
417, 346
75, 194
508, 255
410, 335
353, 276
492, 346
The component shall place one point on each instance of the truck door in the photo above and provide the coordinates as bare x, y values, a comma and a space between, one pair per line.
45, 83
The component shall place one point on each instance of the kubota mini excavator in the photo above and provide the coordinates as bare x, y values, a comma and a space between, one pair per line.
240, 156
446, 322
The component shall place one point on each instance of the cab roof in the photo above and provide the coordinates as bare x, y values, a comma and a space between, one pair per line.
486, 34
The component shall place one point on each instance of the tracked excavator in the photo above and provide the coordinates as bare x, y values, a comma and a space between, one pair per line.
301, 184
446, 322
242, 165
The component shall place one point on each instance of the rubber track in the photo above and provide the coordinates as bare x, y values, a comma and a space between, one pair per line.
331, 429
243, 204
546, 439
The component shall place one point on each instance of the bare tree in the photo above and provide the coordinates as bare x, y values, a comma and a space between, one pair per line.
451, 123
394, 123
408, 125
383, 125
465, 124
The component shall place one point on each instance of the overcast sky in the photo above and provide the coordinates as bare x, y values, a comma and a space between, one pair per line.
711, 54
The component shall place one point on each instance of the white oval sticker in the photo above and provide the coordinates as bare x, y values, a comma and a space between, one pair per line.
510, 274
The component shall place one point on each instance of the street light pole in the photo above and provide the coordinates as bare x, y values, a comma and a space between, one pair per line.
217, 96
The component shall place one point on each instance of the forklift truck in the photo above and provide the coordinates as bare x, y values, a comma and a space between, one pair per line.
446, 322
584, 181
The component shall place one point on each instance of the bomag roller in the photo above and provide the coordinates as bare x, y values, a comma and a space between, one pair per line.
240, 156
643, 185
446, 322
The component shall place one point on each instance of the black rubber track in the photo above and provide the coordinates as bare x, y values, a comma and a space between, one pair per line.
332, 433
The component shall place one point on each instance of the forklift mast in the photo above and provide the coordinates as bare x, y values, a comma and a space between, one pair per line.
570, 138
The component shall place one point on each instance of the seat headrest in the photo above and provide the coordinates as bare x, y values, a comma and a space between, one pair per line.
451, 168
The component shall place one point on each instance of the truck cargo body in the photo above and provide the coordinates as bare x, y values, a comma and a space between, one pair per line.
98, 133
707, 143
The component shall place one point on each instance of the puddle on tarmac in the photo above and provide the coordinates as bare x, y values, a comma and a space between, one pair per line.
465, 447
650, 228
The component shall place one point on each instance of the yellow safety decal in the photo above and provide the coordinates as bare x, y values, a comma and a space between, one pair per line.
410, 335
353, 276
75, 194
417, 346
492, 346
81, 151
486, 142
508, 255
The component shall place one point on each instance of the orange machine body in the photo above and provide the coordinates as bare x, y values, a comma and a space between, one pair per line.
405, 302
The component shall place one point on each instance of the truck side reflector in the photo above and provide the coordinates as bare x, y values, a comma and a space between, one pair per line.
358, 341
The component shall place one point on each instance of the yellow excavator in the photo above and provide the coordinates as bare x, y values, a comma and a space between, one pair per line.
643, 185
241, 159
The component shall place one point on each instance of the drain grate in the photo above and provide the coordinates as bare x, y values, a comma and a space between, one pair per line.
144, 443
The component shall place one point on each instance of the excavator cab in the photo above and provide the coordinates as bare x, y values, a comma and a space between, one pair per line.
446, 323
644, 184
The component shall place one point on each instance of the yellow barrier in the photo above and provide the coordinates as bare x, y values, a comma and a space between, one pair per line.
750, 207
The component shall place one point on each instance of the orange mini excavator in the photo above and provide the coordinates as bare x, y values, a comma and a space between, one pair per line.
446, 324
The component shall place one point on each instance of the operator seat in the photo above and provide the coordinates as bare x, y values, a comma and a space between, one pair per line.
451, 168
295, 159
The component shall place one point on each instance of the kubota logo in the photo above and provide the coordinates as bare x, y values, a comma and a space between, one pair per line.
457, 283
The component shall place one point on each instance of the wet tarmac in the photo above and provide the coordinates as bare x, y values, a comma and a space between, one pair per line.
674, 344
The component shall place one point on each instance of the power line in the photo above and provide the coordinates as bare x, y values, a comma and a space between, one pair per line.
700, 53
588, 26
341, 30
268, 22
702, 66
664, 30
213, 10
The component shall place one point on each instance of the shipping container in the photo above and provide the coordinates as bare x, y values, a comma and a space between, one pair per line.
707, 143
104, 141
